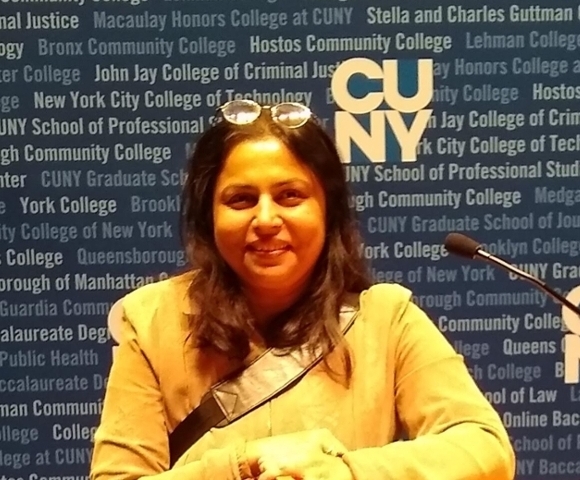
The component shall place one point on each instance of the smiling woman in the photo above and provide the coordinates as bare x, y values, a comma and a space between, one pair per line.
256, 199
268, 214
276, 311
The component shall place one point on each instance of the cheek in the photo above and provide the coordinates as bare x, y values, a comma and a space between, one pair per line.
229, 227
310, 226
314, 215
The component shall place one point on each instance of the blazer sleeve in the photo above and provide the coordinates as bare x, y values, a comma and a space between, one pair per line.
131, 441
454, 433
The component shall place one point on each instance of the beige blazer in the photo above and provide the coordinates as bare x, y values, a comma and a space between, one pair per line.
403, 369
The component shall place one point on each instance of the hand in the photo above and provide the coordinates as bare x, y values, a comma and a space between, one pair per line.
298, 452
320, 439
301, 464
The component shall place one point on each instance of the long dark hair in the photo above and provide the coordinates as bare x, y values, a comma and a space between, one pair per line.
222, 319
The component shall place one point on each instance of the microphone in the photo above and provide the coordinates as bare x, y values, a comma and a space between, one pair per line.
463, 246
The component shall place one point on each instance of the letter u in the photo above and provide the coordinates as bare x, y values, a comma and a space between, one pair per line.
424, 93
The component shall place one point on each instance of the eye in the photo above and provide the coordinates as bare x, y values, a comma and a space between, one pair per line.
241, 200
291, 196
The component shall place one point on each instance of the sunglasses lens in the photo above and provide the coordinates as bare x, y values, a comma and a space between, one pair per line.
291, 115
241, 112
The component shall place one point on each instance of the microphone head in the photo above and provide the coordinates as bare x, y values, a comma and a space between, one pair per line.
461, 245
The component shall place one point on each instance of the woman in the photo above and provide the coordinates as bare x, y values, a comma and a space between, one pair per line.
267, 224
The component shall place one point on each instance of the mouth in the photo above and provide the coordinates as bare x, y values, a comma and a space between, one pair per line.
268, 250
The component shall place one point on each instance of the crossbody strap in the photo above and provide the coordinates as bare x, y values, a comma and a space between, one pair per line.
265, 378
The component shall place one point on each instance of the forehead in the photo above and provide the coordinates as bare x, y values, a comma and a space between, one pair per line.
262, 160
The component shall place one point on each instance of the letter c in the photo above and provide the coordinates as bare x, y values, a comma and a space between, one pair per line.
570, 318
339, 85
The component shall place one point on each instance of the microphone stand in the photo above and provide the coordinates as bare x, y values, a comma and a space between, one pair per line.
529, 278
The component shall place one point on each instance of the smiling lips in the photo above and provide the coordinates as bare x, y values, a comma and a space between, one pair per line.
268, 249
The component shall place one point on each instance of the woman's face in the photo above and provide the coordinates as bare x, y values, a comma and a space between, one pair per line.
269, 216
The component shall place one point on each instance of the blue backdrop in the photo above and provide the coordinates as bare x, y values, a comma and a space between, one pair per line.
100, 102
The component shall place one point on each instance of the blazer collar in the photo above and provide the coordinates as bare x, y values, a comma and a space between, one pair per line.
184, 281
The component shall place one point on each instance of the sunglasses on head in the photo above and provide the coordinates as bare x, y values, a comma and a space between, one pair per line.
245, 112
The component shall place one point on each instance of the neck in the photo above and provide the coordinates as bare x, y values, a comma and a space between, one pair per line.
265, 304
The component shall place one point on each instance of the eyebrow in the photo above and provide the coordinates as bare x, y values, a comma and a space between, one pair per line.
245, 186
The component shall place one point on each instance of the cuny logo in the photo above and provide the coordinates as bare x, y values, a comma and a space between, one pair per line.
383, 108
572, 340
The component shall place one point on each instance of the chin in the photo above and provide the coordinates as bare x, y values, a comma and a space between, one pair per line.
270, 279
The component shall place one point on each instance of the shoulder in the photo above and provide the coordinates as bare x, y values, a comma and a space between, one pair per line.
389, 309
389, 312
167, 299
171, 292
388, 300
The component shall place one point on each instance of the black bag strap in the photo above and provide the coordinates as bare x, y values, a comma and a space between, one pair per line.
268, 376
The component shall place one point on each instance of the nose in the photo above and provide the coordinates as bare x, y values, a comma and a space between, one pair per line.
267, 218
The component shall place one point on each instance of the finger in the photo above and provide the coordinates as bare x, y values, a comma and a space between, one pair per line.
330, 442
267, 476
271, 475
274, 470
269, 469
334, 449
283, 473
282, 477
339, 446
